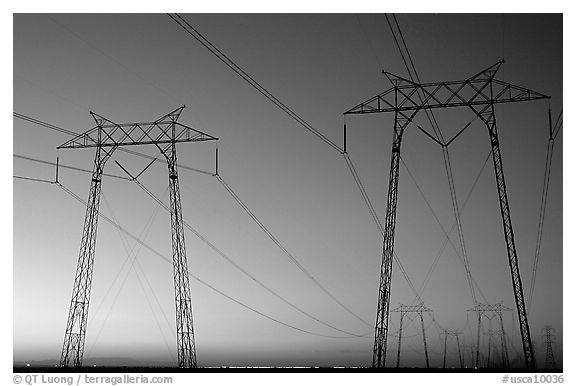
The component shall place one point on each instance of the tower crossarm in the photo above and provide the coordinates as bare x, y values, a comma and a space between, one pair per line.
480, 89
498, 307
412, 308
165, 130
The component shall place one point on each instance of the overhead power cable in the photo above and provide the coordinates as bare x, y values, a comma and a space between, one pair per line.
41, 123
65, 166
557, 125
378, 222
240, 72
284, 250
364, 193
459, 224
33, 179
543, 200
162, 160
413, 74
449, 233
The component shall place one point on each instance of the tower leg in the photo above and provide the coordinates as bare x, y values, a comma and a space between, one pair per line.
459, 352
399, 339
424, 338
445, 342
478, 338
184, 323
74, 337
505, 359
381, 329
490, 119
489, 348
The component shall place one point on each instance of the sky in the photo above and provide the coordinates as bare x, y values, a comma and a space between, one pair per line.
138, 67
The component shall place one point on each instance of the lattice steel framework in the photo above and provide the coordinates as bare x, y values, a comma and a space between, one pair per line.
480, 93
106, 137
418, 309
490, 311
549, 337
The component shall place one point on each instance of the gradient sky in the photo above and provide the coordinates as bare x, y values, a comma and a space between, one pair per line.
139, 67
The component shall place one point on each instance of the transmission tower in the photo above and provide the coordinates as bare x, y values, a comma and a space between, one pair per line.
456, 334
480, 93
549, 339
418, 309
490, 311
106, 137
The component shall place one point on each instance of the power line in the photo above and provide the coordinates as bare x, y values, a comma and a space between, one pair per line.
412, 69
558, 124
284, 250
543, 200
234, 67
41, 123
33, 179
458, 221
364, 193
162, 160
447, 234
65, 166
377, 221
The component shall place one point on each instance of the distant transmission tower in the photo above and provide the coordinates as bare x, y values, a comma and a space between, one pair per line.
490, 311
480, 93
549, 337
418, 309
106, 137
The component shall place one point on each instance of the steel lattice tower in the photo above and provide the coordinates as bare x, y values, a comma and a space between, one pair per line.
480, 93
494, 310
106, 137
549, 338
418, 309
